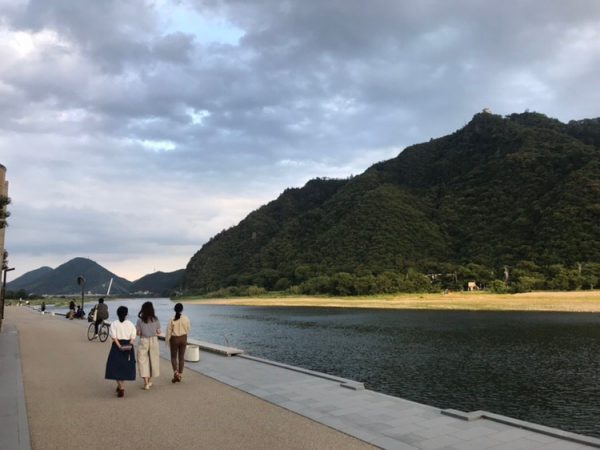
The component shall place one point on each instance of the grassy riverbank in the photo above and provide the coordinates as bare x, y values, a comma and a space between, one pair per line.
576, 301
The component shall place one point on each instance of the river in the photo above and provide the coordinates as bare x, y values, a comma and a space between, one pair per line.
535, 366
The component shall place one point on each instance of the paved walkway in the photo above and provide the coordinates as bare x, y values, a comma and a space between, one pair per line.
71, 406
209, 406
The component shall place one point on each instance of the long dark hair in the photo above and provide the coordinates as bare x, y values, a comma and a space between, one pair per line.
147, 313
122, 313
178, 308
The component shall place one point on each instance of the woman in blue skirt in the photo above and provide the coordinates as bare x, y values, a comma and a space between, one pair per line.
120, 365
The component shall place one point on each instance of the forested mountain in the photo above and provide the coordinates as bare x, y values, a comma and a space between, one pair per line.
513, 198
162, 283
30, 278
63, 279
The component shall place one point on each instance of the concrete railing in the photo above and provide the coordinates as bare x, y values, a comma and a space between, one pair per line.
517, 423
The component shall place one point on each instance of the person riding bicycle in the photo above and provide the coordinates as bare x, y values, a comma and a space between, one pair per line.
101, 311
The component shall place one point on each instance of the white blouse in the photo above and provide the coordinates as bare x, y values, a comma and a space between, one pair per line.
122, 330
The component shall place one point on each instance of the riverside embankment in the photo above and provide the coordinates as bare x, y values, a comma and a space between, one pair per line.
62, 375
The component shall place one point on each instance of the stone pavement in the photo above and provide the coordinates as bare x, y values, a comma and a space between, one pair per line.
381, 420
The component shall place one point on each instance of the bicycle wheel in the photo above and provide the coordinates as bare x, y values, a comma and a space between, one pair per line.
91, 331
103, 332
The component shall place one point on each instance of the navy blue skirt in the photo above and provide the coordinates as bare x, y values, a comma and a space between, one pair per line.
120, 364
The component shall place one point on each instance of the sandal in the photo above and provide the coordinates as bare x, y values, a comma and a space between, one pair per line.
175, 377
120, 392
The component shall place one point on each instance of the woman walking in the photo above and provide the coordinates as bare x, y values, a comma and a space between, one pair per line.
177, 331
120, 365
148, 329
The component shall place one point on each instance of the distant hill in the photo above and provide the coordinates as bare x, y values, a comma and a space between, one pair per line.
512, 198
63, 279
159, 283
29, 278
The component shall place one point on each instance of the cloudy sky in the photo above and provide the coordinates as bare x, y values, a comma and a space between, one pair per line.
135, 130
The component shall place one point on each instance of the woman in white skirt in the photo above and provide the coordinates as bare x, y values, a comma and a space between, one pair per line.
148, 329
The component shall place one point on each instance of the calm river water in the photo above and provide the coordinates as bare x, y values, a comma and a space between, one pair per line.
541, 367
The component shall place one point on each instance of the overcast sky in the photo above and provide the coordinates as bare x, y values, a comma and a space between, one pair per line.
135, 130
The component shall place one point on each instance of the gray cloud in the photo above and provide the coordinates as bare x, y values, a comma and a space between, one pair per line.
119, 129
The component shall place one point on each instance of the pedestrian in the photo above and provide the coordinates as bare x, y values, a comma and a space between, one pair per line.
101, 313
71, 313
177, 331
148, 329
120, 365
43, 307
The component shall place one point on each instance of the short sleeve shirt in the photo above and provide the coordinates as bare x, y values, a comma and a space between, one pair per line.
149, 329
122, 330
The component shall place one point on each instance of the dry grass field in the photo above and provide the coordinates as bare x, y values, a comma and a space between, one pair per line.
577, 301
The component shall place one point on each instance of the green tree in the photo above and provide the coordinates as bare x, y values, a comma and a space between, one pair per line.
282, 284
343, 283
365, 285
498, 287
4, 213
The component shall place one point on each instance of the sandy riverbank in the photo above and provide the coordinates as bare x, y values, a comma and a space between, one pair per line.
578, 301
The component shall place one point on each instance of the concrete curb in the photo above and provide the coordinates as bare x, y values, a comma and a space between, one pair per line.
13, 392
542, 429
349, 384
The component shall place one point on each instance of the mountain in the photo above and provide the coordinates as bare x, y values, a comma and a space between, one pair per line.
63, 279
29, 278
160, 283
520, 191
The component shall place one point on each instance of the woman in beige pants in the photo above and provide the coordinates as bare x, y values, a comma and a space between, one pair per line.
148, 329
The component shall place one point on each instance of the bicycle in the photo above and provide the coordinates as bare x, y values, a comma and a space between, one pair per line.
102, 331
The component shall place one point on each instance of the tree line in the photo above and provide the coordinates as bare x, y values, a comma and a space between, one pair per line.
525, 276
